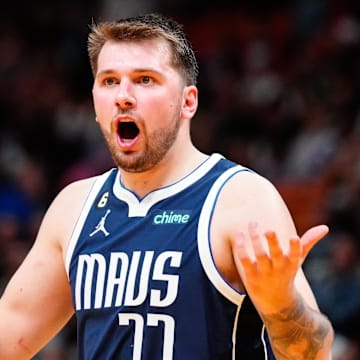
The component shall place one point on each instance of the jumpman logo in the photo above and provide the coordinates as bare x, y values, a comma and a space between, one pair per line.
101, 225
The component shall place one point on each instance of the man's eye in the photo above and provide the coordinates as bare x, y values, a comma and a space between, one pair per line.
146, 79
109, 81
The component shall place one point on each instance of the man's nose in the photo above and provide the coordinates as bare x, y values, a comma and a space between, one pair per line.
125, 99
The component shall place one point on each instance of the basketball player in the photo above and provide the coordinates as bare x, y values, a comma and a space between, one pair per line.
173, 254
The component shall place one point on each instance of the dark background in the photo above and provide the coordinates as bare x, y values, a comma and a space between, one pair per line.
279, 92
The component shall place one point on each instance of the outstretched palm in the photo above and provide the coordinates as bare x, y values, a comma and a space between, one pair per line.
267, 271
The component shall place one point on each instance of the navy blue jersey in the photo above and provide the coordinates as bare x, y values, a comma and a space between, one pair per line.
143, 280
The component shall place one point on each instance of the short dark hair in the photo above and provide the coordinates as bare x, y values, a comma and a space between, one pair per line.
145, 27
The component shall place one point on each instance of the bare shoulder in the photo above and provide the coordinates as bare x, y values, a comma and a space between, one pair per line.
247, 191
63, 212
74, 193
245, 198
248, 196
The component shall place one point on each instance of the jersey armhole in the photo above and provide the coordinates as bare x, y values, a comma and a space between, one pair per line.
93, 193
203, 238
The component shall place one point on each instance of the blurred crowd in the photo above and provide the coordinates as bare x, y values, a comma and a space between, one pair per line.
279, 92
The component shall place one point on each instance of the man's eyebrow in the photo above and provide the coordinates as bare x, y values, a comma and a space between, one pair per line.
104, 72
136, 71
147, 70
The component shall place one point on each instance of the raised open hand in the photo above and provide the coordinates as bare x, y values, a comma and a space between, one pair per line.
267, 270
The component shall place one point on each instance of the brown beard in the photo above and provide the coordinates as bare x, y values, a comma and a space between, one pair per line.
158, 144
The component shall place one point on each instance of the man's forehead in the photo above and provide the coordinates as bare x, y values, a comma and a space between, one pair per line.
152, 53
153, 45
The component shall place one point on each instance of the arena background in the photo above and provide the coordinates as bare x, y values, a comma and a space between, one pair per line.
279, 92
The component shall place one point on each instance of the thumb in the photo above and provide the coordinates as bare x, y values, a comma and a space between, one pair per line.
313, 236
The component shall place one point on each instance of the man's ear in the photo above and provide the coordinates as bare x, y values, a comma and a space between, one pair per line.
190, 102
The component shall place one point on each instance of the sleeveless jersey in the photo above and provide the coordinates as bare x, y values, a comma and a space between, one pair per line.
143, 280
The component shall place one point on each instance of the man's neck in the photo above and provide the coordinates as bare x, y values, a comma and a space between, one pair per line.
165, 173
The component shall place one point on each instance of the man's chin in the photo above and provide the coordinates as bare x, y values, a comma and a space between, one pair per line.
132, 163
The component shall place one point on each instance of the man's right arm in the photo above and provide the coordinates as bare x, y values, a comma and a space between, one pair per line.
37, 301
35, 305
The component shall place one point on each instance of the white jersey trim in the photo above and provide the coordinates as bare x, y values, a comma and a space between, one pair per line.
140, 207
94, 192
234, 332
204, 246
264, 342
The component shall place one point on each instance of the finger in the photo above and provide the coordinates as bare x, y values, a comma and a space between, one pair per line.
275, 249
295, 251
261, 255
242, 252
255, 237
312, 237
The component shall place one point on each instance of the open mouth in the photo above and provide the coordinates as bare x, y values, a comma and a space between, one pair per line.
127, 130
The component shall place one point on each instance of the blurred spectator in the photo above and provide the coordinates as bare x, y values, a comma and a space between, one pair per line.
311, 150
343, 176
336, 285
